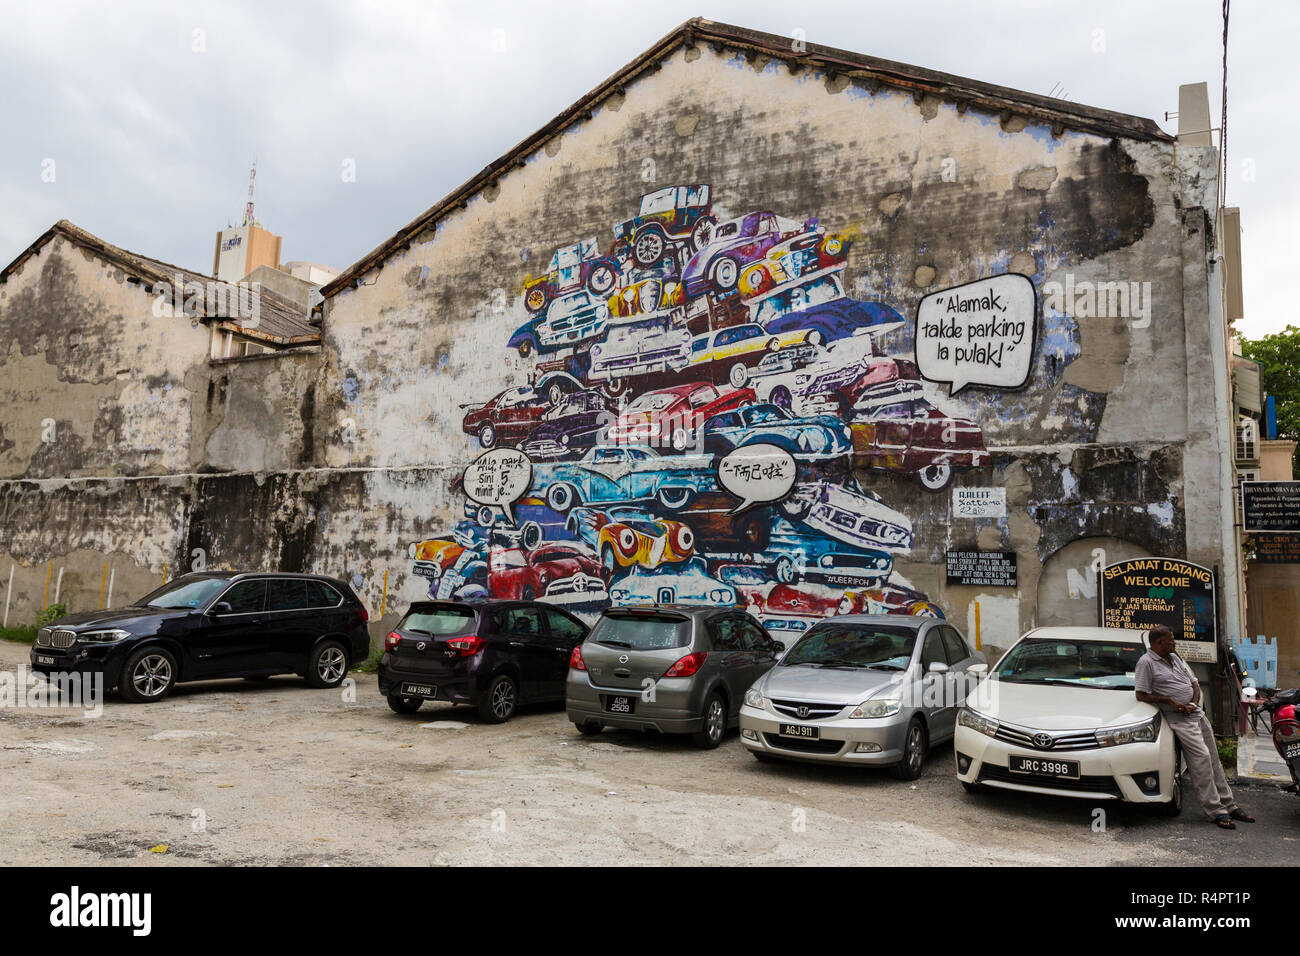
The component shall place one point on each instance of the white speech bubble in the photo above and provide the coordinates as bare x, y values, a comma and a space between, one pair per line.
499, 478
980, 333
757, 474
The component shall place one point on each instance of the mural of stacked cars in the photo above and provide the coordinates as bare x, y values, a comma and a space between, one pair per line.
689, 339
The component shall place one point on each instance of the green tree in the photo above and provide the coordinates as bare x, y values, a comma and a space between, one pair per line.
1278, 356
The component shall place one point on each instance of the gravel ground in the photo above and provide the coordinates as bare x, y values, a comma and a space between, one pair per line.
275, 773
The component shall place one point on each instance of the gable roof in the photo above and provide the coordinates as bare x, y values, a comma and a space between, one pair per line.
281, 322
875, 72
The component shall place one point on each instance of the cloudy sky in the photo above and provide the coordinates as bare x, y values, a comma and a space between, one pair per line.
151, 113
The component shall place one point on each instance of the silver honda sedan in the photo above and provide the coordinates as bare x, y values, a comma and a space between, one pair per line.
877, 690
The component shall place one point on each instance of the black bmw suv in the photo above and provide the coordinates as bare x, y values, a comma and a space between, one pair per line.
493, 655
210, 625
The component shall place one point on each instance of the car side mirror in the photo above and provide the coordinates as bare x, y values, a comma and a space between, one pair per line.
221, 607
938, 667
979, 670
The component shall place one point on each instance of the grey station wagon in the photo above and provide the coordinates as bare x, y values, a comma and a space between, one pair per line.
676, 669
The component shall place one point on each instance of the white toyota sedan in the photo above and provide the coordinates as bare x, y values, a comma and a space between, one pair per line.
1058, 715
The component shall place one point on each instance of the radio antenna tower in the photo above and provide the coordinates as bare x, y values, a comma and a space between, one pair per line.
248, 209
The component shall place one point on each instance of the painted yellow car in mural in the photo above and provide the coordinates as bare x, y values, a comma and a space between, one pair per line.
738, 349
628, 537
804, 257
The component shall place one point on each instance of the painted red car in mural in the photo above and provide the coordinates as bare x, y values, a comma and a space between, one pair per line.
505, 420
559, 572
672, 416
906, 433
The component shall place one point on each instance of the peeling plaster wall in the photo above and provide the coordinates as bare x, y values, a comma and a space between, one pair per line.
346, 458
83, 348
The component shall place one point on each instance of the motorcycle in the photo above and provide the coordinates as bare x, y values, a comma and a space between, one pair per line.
1285, 728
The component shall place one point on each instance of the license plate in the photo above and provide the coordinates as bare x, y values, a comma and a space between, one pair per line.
42, 659
620, 705
1292, 751
419, 690
801, 731
1044, 767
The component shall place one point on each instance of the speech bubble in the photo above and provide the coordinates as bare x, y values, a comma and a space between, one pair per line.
498, 478
757, 474
980, 333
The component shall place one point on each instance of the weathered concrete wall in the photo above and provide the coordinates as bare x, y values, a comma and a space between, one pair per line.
92, 382
353, 466
929, 197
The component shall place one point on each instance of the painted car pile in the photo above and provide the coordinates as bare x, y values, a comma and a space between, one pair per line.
688, 339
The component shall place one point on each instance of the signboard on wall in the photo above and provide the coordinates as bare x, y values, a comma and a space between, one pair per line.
1278, 548
979, 502
1143, 592
1270, 506
988, 569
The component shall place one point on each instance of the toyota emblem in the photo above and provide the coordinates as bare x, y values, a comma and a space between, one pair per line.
1044, 741
622, 658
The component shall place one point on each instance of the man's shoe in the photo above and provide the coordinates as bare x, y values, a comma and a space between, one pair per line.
1242, 815
1225, 821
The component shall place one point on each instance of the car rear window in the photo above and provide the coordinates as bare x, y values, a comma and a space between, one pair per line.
439, 621
642, 631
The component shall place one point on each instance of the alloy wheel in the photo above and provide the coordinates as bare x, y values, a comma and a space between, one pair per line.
331, 665
151, 675
503, 699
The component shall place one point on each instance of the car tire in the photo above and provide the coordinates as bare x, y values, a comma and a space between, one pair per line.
1174, 806
935, 478
601, 286
674, 499
404, 705
555, 394
497, 705
724, 273
814, 337
714, 726
531, 536
614, 387
327, 665
702, 232
648, 247
589, 728
487, 436
738, 375
149, 674
561, 497
914, 747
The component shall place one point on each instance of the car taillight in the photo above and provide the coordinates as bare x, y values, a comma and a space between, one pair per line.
467, 646
575, 659
365, 615
392, 640
687, 666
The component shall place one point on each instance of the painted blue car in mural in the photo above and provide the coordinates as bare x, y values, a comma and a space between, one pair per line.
687, 583
567, 322
821, 308
808, 439
610, 474
535, 522
796, 552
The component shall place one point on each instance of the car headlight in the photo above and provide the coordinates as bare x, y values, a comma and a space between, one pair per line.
885, 707
564, 439
103, 637
1142, 733
977, 721
754, 699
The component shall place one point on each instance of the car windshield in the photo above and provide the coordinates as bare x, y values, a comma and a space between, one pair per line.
799, 298
438, 621
642, 631
1104, 664
184, 593
854, 645
762, 414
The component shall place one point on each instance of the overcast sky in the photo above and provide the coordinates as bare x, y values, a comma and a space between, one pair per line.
152, 113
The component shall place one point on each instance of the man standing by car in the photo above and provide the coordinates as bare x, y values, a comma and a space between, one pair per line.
1162, 678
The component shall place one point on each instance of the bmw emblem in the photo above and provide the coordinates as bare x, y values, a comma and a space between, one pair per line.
622, 658
1044, 741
